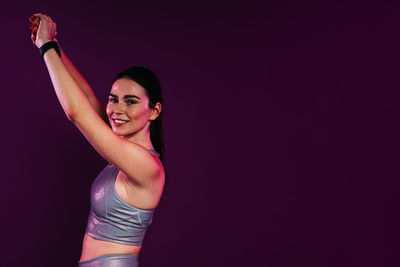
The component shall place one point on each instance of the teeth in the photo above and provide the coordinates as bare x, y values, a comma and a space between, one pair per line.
119, 121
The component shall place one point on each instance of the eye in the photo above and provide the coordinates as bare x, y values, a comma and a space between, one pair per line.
112, 100
131, 102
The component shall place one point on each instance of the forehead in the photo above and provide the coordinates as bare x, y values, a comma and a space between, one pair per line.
124, 86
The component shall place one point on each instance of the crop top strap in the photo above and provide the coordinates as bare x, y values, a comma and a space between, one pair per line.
155, 152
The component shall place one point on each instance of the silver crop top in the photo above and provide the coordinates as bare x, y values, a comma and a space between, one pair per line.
111, 218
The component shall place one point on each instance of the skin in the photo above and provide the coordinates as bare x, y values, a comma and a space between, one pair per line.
141, 177
136, 111
139, 116
42, 32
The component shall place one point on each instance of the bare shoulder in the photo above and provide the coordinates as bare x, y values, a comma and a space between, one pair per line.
141, 166
154, 181
145, 195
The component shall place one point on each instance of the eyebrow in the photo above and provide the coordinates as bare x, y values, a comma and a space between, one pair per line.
126, 96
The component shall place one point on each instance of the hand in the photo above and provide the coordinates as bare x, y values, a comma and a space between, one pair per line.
43, 29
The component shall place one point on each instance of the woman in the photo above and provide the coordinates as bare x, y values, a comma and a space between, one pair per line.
125, 194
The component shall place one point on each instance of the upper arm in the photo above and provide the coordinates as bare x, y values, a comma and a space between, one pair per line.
132, 159
100, 110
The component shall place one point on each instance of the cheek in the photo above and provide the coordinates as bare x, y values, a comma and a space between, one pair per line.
139, 115
145, 113
108, 110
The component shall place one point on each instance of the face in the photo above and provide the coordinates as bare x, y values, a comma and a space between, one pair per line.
128, 108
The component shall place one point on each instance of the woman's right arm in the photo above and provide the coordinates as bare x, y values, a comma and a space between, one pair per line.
84, 85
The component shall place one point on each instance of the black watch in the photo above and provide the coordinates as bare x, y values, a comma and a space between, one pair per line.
49, 45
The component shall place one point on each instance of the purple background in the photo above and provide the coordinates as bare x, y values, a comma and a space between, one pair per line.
281, 126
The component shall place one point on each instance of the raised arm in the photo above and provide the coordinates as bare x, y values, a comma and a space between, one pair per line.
79, 79
84, 85
134, 160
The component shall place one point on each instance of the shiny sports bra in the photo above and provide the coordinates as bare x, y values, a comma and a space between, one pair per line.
111, 218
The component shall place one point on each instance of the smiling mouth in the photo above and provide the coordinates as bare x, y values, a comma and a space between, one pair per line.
119, 122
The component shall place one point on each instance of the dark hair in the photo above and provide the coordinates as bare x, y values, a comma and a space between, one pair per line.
149, 81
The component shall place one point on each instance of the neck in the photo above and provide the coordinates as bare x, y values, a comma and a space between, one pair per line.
141, 138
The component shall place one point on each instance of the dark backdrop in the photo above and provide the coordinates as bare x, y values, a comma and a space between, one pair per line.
281, 126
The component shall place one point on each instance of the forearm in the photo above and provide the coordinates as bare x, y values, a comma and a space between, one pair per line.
84, 85
72, 99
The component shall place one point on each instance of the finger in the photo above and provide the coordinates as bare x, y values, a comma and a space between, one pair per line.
34, 20
37, 15
40, 17
33, 27
34, 16
33, 38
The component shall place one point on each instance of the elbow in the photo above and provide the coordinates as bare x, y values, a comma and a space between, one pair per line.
70, 118
71, 115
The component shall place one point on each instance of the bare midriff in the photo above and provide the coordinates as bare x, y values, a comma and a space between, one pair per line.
93, 248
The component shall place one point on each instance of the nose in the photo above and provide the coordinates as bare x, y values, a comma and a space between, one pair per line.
118, 111
118, 108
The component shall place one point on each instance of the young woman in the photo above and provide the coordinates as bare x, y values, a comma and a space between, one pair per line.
128, 135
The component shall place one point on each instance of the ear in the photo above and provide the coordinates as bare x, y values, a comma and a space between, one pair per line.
156, 111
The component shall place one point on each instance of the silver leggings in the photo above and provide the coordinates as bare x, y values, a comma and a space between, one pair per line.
116, 260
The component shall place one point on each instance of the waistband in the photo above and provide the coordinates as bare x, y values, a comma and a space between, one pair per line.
106, 260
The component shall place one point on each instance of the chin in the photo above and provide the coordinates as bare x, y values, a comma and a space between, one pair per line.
124, 133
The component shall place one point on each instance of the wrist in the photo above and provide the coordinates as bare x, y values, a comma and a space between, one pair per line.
41, 42
49, 45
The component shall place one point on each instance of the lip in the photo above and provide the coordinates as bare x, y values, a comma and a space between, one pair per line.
118, 124
116, 118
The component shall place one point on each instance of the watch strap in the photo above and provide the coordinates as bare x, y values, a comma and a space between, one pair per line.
49, 45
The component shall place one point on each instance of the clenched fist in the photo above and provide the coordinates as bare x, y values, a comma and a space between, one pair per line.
43, 29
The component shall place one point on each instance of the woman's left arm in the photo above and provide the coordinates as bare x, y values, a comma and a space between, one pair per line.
43, 31
73, 100
133, 159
